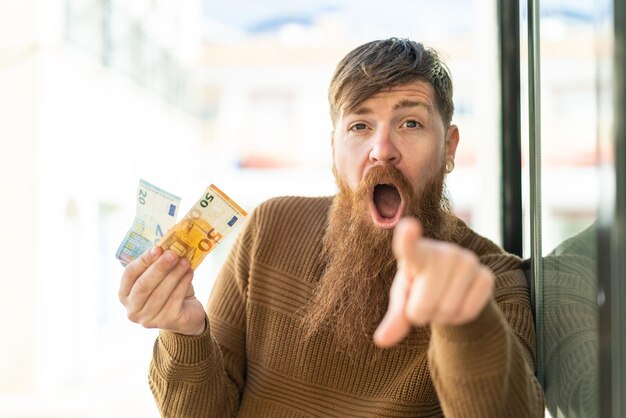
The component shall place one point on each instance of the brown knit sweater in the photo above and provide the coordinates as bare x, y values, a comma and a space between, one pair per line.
253, 361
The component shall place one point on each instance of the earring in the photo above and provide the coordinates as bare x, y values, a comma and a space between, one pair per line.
449, 165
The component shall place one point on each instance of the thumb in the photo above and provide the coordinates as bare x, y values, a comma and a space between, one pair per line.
395, 325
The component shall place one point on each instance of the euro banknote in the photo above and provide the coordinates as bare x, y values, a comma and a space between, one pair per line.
156, 213
209, 221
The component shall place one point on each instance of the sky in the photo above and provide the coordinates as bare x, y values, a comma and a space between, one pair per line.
417, 17
402, 16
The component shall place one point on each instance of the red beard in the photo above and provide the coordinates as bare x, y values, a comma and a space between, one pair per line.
352, 295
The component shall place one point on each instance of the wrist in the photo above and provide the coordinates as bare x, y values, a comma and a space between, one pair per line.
186, 348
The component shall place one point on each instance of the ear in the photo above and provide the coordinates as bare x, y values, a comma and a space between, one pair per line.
452, 140
332, 141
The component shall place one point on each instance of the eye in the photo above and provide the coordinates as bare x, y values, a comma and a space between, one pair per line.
411, 123
358, 127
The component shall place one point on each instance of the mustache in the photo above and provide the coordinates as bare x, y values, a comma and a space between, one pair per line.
384, 174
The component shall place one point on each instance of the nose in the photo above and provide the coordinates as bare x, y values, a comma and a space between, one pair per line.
383, 148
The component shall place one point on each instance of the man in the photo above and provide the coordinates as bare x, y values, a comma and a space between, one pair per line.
375, 302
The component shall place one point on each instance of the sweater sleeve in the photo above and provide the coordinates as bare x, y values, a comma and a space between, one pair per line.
486, 368
204, 376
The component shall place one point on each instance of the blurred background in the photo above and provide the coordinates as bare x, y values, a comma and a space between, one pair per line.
96, 94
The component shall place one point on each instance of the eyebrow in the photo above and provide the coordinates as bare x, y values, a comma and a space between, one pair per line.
402, 104
410, 103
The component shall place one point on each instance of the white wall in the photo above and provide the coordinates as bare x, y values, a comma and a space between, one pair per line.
75, 139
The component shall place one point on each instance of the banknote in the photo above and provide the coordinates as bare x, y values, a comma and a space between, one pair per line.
155, 214
210, 220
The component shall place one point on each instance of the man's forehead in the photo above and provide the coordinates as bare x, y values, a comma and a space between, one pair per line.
405, 103
416, 94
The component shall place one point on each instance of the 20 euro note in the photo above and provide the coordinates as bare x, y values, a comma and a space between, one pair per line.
209, 221
156, 213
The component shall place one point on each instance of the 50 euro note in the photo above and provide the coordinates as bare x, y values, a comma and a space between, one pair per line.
156, 213
209, 221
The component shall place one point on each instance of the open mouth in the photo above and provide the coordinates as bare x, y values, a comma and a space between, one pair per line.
386, 205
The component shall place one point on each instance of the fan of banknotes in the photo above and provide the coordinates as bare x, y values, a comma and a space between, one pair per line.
209, 221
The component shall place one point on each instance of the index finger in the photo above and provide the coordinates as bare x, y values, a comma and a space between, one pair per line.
406, 237
135, 269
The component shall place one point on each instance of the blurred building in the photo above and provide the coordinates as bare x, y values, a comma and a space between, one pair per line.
78, 130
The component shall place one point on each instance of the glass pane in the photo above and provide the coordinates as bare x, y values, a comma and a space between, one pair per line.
574, 50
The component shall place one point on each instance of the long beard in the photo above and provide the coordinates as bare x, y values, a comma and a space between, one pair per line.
352, 295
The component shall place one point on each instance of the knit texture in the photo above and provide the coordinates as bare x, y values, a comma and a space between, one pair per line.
253, 359
571, 333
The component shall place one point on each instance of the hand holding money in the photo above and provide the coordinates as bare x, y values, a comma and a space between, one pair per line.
156, 284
